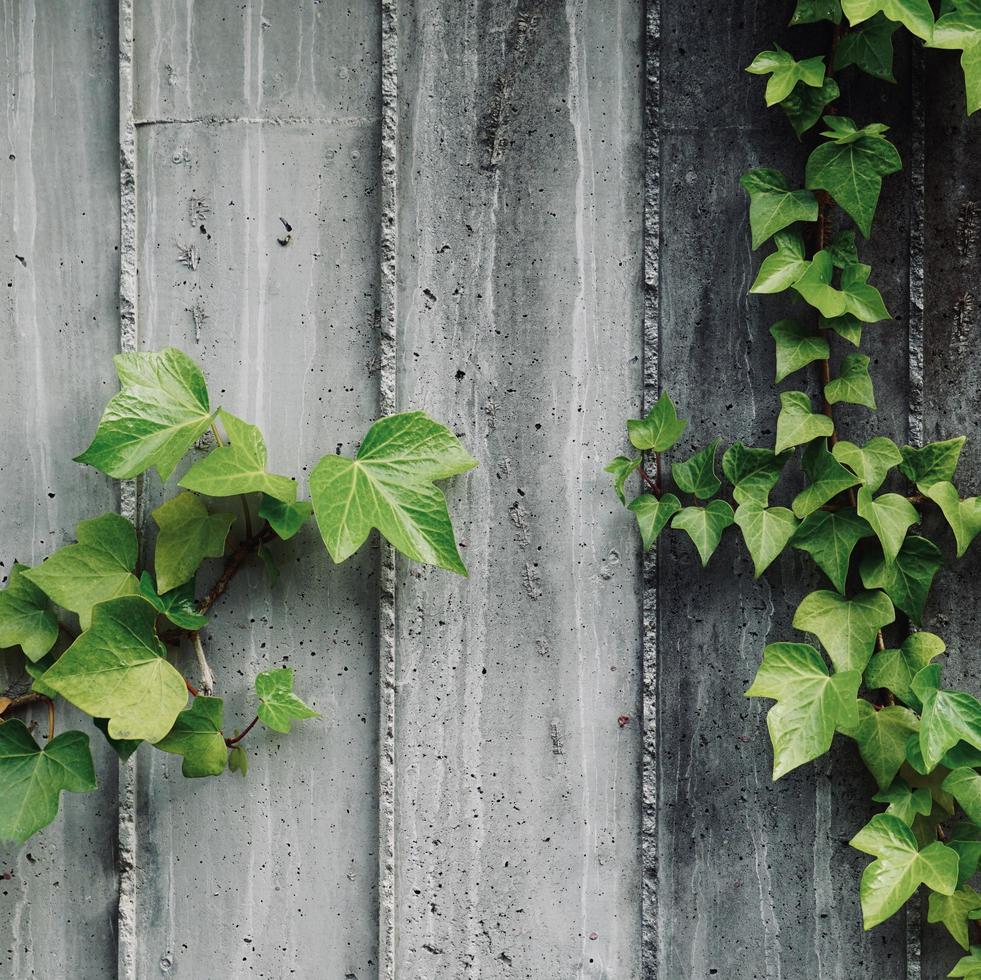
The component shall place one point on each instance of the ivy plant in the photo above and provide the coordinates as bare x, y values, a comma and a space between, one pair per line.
860, 667
94, 626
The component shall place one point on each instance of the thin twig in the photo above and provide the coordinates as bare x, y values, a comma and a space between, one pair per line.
230, 742
207, 677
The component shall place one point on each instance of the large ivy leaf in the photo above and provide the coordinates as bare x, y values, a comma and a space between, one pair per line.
178, 605
890, 516
915, 15
805, 105
960, 30
797, 346
785, 72
963, 516
753, 472
659, 430
934, 463
829, 537
905, 802
279, 707
881, 735
782, 268
871, 462
869, 47
850, 167
33, 777
948, 717
773, 205
239, 467
286, 519
907, 581
766, 531
954, 911
188, 535
812, 11
797, 424
811, 703
895, 669
653, 514
27, 619
697, 474
968, 967
900, 867
161, 411
853, 384
705, 525
847, 628
389, 486
117, 669
621, 467
964, 785
826, 478
99, 567
197, 736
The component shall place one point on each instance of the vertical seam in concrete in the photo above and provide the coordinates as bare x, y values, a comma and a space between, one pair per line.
387, 405
651, 342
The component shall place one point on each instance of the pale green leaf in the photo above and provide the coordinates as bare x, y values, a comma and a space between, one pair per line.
881, 735
948, 717
197, 736
653, 514
870, 463
954, 911
905, 802
797, 424
773, 205
847, 628
853, 384
286, 519
278, 705
238, 761
890, 516
826, 478
704, 525
915, 15
816, 289
659, 430
188, 535
862, 300
829, 537
27, 619
964, 785
797, 346
895, 669
697, 474
766, 531
934, 463
907, 581
622, 467
963, 516
785, 72
782, 268
968, 967
753, 472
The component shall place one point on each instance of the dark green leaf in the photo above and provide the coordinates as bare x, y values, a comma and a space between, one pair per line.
881, 735
948, 717
782, 268
286, 519
197, 736
907, 581
954, 911
890, 516
805, 105
752, 472
766, 531
826, 479
27, 619
934, 463
895, 669
785, 72
797, 346
178, 605
829, 537
812, 11
904, 802
963, 516
868, 47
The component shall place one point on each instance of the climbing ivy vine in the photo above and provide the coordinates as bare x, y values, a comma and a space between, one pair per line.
94, 627
865, 670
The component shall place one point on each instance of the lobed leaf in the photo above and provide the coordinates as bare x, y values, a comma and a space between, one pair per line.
905, 802
964, 785
653, 515
797, 424
890, 516
853, 384
197, 736
954, 912
659, 430
705, 526
782, 268
933, 463
826, 479
621, 468
697, 474
847, 628
178, 605
773, 205
870, 463
752, 472
812, 11
895, 669
188, 535
829, 537
27, 619
960, 29
797, 346
278, 705
868, 46
286, 519
881, 735
915, 15
805, 105
908, 580
766, 531
785, 72
948, 717
963, 516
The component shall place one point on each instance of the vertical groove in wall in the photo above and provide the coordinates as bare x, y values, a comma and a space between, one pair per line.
387, 405
126, 847
652, 219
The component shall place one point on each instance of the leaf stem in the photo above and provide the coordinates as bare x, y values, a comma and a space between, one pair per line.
655, 485
207, 677
51, 718
191, 689
230, 742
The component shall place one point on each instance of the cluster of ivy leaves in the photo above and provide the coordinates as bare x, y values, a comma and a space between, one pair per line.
117, 668
920, 740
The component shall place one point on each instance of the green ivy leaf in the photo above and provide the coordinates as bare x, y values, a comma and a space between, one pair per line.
900, 867
117, 669
826, 479
27, 619
785, 72
954, 911
805, 105
238, 761
752, 472
965, 838
782, 268
811, 703
621, 468
960, 30
853, 384
697, 474
881, 735
773, 205
36, 671
286, 519
705, 525
868, 47
33, 778
659, 430
855, 297
890, 516
964, 785
188, 535
268, 559
915, 15
99, 567
816, 289
862, 300
653, 514
797, 424
968, 967
829, 537
766, 531
963, 516
850, 167
239, 467
895, 669
161, 411
178, 605
934, 463
847, 327
907, 581
948, 717
389, 485
812, 11
843, 249
847, 628
904, 802
797, 346
278, 705
123, 747
870, 463
197, 736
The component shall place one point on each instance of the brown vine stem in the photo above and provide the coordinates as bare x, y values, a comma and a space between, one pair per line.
191, 689
232, 742
51, 718
655, 485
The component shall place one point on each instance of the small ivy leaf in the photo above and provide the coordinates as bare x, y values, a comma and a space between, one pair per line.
855, 298
815, 287
843, 249
829, 537
278, 705
766, 531
881, 735
659, 430
900, 867
805, 105
964, 785
811, 703
826, 479
934, 463
753, 472
27, 619
621, 468
890, 516
968, 967
239, 467
797, 424
960, 30
965, 838
785, 72
862, 300
238, 761
161, 411
870, 463
868, 47
188, 535
915, 15
908, 580
178, 605
123, 747
782, 268
705, 526
653, 514
99, 567
904, 802
390, 486
963, 516
847, 327
894, 670
773, 205
954, 911
948, 717
269, 562
850, 167
33, 778
697, 474
797, 346
117, 669
197, 736
847, 628
285, 519
36, 670
812, 11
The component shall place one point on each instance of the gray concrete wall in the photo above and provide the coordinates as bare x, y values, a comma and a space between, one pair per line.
522, 216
